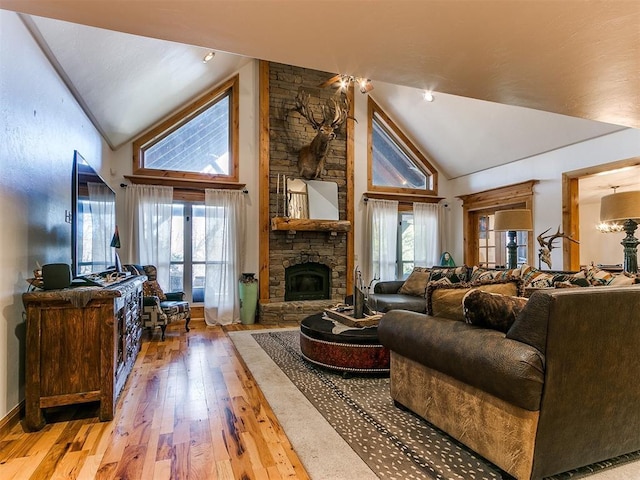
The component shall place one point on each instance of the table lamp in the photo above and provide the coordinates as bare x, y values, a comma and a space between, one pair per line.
512, 221
625, 207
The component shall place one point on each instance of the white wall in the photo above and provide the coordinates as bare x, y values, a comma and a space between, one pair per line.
40, 127
122, 164
547, 169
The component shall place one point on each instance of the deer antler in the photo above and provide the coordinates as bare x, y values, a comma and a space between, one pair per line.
551, 238
302, 107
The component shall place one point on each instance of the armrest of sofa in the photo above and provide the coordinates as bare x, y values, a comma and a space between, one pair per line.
390, 286
591, 391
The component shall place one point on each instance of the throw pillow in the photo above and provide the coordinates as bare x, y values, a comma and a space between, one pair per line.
622, 279
576, 279
533, 277
446, 300
456, 274
480, 274
416, 284
598, 277
151, 288
491, 310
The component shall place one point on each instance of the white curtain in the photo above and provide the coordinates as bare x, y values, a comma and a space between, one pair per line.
225, 219
426, 234
103, 225
149, 234
381, 237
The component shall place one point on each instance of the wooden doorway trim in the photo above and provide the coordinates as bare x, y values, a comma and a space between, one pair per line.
571, 207
519, 195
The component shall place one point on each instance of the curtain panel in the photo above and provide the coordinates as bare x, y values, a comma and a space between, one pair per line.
225, 223
426, 234
149, 209
381, 238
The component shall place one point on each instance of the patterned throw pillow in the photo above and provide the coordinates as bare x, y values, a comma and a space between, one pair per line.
598, 277
151, 288
576, 279
480, 274
455, 274
416, 284
622, 279
533, 277
446, 300
491, 310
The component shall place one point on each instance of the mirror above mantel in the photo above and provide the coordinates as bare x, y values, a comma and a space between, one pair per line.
308, 205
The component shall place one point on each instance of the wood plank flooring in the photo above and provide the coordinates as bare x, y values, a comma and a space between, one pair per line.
190, 410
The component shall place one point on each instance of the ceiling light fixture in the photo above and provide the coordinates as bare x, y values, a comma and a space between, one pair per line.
364, 84
209, 56
428, 96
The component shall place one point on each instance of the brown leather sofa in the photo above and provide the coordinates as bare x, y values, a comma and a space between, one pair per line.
559, 390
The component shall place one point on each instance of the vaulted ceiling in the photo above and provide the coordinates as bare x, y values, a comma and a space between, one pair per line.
511, 79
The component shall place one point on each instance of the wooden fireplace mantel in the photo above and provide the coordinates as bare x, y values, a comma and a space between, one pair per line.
310, 225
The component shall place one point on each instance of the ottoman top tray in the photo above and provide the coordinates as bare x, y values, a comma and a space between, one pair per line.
320, 328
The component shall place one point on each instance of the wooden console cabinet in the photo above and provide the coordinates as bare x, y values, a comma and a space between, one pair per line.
81, 346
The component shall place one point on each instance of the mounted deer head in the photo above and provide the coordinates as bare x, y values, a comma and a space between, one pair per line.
546, 244
311, 157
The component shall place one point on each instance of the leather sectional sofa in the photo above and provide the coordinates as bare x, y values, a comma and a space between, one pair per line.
558, 390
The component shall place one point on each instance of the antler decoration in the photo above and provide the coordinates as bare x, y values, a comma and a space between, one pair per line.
546, 245
312, 157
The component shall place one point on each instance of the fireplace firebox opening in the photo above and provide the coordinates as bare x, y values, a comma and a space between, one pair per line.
307, 281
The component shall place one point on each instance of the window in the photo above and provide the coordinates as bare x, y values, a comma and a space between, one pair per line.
492, 245
395, 164
200, 142
188, 250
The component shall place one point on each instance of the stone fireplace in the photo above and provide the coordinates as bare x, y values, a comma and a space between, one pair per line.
307, 268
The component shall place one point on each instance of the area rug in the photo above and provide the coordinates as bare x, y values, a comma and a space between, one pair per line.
349, 427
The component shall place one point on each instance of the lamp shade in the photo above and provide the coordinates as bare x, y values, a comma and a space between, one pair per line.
620, 206
513, 220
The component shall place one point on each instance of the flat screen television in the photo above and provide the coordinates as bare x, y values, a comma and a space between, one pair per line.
94, 220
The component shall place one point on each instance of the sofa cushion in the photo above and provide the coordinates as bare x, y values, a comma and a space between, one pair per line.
384, 302
446, 300
416, 283
491, 310
483, 358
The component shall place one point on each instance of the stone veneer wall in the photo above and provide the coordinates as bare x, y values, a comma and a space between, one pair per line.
289, 131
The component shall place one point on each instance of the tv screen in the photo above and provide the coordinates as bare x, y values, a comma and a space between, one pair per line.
94, 220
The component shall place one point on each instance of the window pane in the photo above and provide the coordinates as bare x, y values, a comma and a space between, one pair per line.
198, 282
392, 167
176, 277
198, 234
201, 145
407, 237
177, 233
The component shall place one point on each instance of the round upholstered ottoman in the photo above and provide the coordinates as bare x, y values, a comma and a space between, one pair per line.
355, 350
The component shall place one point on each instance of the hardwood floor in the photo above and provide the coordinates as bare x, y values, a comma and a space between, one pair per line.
190, 410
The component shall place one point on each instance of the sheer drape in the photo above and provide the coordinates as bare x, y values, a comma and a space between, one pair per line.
426, 234
103, 224
149, 235
381, 230
225, 219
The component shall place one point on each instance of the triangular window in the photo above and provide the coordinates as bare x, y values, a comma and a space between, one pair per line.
200, 142
395, 164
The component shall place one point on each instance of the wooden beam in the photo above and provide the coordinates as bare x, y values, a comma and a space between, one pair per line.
263, 254
350, 175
